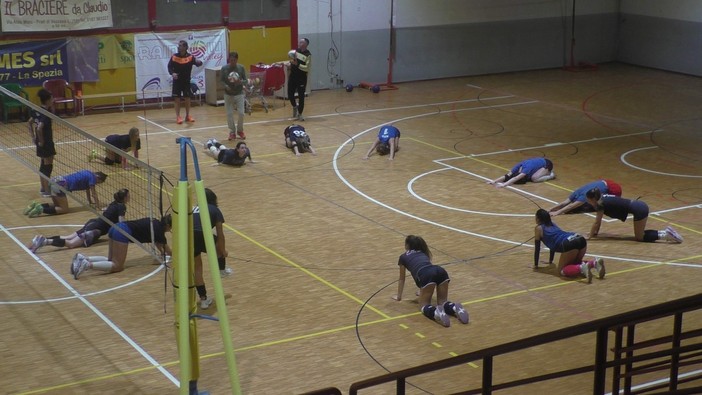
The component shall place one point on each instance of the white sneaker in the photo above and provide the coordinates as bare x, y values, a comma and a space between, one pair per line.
76, 262
460, 312
206, 303
672, 235
82, 266
600, 268
37, 242
585, 270
441, 317
226, 272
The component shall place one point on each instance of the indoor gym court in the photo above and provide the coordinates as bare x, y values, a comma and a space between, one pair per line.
314, 240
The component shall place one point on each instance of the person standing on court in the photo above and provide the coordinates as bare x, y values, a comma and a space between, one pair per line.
297, 80
180, 67
42, 133
216, 219
233, 75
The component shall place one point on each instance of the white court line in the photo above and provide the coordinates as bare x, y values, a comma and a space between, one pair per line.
523, 192
410, 189
623, 159
336, 114
549, 145
103, 291
676, 209
95, 310
337, 171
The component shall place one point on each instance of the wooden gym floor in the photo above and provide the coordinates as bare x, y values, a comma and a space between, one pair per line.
314, 241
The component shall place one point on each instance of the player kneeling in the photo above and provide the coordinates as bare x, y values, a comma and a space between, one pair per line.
298, 140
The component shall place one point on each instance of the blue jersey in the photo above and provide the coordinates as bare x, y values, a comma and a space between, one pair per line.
553, 236
529, 166
388, 132
579, 194
80, 181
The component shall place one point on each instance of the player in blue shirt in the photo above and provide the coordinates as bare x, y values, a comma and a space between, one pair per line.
571, 245
388, 142
577, 201
533, 169
83, 180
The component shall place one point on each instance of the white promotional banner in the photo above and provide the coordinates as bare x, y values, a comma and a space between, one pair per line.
55, 15
152, 51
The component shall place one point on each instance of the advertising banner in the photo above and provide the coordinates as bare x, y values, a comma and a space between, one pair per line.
116, 51
54, 15
32, 63
152, 51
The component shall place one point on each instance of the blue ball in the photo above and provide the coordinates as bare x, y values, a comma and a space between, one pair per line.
375, 89
349, 87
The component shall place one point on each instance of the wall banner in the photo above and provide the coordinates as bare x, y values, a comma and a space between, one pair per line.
152, 51
54, 15
116, 51
33, 62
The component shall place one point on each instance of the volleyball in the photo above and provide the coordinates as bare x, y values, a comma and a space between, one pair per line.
349, 87
292, 53
234, 76
256, 81
375, 88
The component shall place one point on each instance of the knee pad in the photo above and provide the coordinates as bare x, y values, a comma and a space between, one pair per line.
428, 311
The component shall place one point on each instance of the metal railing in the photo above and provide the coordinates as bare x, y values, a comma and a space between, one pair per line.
628, 360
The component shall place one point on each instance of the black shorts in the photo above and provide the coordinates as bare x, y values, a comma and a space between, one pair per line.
574, 242
638, 209
46, 150
199, 242
182, 88
431, 274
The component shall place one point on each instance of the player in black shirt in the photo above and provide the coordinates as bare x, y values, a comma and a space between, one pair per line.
92, 230
140, 230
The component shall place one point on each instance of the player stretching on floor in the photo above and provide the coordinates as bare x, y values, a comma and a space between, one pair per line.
92, 230
140, 230
534, 170
428, 277
620, 208
571, 245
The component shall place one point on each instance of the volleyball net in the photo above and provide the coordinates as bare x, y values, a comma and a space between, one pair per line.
74, 150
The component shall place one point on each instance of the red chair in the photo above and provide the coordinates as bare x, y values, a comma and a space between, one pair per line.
63, 94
